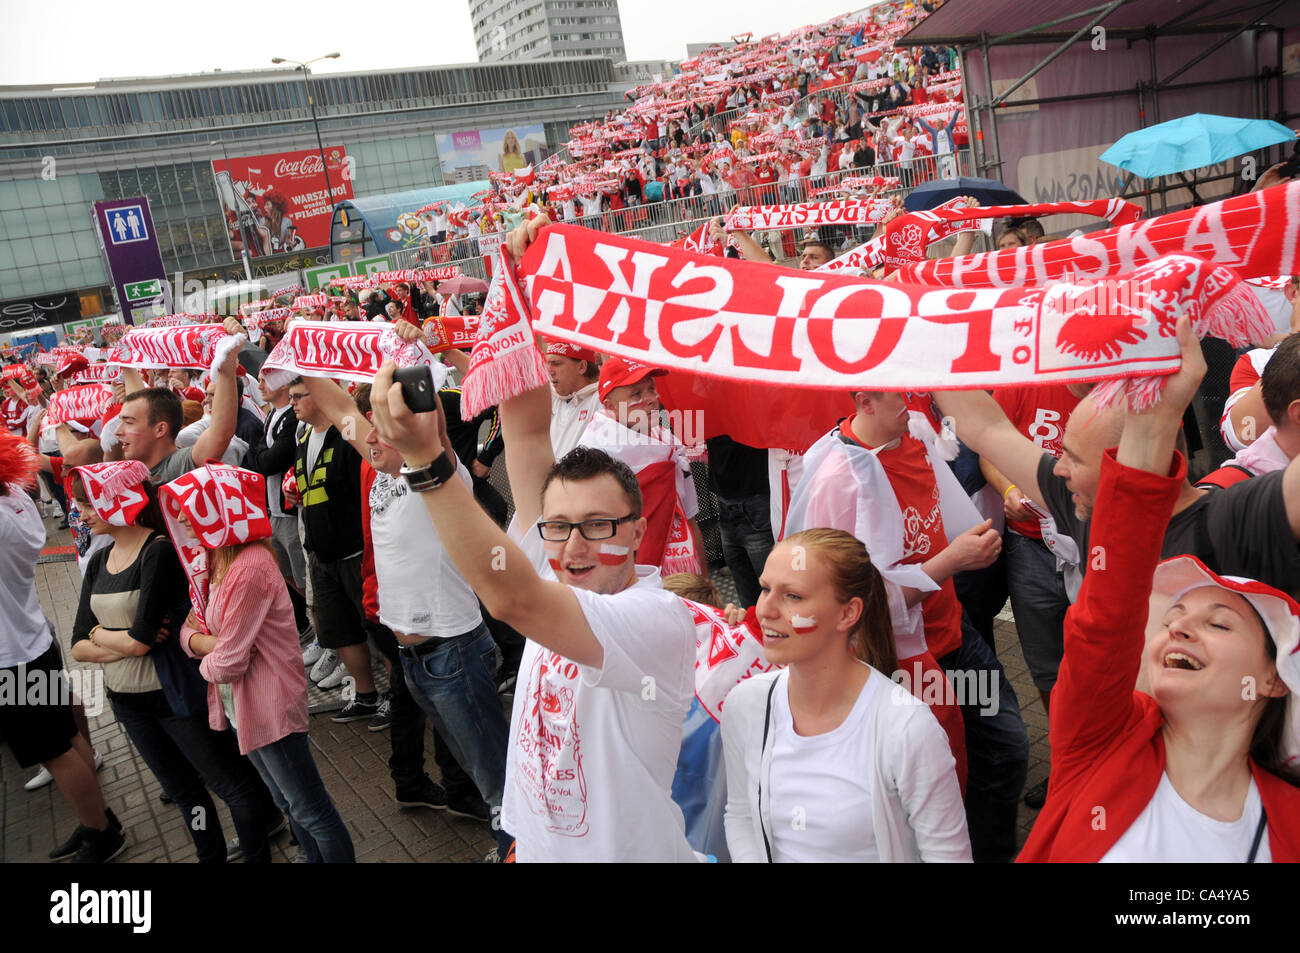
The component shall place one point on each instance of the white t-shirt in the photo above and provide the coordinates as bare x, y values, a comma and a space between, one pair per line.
906, 150
315, 440
570, 416
821, 784
24, 634
420, 590
1171, 831
276, 479
593, 751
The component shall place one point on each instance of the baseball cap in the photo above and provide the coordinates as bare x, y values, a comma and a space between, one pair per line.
618, 372
564, 349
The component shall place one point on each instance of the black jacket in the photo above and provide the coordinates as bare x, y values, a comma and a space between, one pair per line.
274, 460
331, 497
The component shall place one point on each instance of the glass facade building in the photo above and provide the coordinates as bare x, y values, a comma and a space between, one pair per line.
63, 148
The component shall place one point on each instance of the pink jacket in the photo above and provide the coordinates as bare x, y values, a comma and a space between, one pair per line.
257, 652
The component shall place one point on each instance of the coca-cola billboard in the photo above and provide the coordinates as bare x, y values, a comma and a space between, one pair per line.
278, 202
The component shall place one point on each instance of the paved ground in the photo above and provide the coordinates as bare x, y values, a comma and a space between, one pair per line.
351, 759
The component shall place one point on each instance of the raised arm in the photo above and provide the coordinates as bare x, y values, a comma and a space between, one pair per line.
212, 443
496, 568
336, 404
982, 426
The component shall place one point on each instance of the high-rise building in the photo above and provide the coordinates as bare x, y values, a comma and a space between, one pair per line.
525, 29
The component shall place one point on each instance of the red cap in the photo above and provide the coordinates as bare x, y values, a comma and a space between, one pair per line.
571, 350
617, 372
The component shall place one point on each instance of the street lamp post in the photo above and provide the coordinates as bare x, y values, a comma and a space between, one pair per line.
311, 101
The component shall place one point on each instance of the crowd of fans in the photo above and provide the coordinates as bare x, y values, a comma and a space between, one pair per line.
648, 720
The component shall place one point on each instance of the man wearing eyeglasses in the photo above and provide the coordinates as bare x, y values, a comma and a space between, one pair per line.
607, 674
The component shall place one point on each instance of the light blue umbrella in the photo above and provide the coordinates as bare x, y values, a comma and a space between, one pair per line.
1192, 142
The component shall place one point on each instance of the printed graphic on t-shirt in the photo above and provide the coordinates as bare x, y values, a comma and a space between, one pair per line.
550, 760
383, 492
918, 530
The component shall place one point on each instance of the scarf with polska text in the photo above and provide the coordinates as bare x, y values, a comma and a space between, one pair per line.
348, 350
1254, 234
807, 214
743, 338
84, 404
907, 236
505, 361
190, 345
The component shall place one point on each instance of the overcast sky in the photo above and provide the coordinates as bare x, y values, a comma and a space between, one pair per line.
65, 42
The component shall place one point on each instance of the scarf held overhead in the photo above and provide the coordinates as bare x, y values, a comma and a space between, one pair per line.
756, 324
1255, 234
350, 350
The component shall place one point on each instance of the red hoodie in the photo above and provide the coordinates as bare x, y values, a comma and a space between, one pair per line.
1107, 750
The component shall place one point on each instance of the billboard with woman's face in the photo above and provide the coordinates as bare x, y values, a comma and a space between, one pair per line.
470, 155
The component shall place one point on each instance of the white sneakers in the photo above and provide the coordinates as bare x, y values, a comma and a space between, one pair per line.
335, 678
43, 776
311, 655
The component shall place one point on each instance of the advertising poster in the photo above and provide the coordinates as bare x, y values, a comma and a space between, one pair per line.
278, 203
470, 155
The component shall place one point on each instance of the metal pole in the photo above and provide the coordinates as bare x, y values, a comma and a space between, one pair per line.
311, 101
996, 161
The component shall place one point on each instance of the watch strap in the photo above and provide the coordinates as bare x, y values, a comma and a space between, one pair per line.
432, 476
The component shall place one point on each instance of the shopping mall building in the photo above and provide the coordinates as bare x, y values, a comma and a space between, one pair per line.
214, 152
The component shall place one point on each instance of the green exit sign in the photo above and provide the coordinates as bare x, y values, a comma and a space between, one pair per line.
143, 290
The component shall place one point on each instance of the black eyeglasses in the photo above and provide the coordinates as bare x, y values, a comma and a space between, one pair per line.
294, 398
558, 531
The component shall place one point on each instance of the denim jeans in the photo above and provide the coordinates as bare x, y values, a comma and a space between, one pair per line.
746, 528
997, 747
454, 681
406, 735
290, 772
185, 755
1039, 602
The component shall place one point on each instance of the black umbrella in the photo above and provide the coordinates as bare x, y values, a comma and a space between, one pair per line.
938, 191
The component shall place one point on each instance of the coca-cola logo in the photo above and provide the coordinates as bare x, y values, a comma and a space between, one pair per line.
307, 165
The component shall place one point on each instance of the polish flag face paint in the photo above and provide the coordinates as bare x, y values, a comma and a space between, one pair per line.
612, 555
555, 564
802, 624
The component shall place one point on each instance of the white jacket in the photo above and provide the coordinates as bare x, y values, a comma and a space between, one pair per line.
916, 807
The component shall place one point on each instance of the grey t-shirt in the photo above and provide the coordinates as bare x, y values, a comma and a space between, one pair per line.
173, 465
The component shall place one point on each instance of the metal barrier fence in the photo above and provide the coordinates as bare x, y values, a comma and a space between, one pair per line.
671, 219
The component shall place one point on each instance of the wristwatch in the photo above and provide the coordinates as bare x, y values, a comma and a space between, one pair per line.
431, 476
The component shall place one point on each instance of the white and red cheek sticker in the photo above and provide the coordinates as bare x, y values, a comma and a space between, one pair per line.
803, 624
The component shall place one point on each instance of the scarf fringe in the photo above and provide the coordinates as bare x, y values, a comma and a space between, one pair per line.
500, 379
112, 483
674, 564
1236, 317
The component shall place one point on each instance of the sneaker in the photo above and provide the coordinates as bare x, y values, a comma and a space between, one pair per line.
1036, 796
507, 685
43, 776
311, 655
492, 857
73, 844
326, 662
38, 781
63, 523
300, 857
307, 637
471, 806
235, 850
356, 710
99, 847
335, 678
384, 716
426, 794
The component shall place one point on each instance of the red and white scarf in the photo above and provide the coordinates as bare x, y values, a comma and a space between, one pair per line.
725, 655
225, 506
349, 350
113, 490
505, 361
96, 374
179, 320
1254, 234
84, 404
908, 236
756, 324
193, 345
839, 212
451, 332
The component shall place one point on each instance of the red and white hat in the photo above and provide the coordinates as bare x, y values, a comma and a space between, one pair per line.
113, 490
1281, 614
572, 351
617, 372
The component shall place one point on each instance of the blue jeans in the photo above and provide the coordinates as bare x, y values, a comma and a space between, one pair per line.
997, 747
454, 681
1039, 602
290, 772
746, 528
187, 757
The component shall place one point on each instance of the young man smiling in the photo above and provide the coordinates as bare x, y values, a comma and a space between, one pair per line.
607, 675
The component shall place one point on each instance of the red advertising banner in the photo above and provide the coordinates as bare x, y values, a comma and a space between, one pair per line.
277, 202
